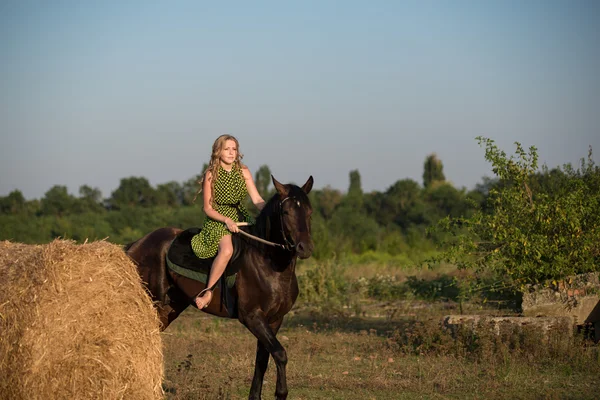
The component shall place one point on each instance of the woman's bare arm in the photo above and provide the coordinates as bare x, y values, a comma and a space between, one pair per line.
252, 191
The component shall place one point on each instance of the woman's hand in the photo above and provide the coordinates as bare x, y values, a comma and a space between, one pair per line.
231, 225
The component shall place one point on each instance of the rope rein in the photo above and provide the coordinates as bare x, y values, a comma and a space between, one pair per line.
257, 238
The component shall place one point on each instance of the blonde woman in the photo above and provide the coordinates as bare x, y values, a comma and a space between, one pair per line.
225, 184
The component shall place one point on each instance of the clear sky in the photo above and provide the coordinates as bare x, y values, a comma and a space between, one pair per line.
92, 92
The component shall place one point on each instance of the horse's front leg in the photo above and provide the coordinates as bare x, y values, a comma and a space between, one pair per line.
267, 344
260, 366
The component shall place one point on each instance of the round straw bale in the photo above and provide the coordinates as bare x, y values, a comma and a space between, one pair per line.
76, 323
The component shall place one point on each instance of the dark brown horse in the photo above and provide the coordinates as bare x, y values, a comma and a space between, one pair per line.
266, 283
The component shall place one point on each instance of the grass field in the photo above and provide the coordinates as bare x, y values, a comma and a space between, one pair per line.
381, 354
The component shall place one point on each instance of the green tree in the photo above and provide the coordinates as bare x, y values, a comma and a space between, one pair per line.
190, 189
401, 204
325, 246
354, 197
361, 231
33, 207
90, 200
169, 194
14, 203
326, 200
57, 201
133, 191
482, 190
94, 195
433, 170
445, 200
262, 180
530, 235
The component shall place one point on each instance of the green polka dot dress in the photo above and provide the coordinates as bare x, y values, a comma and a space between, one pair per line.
228, 194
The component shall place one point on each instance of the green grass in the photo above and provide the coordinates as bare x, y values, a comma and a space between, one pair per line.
371, 330
332, 285
379, 355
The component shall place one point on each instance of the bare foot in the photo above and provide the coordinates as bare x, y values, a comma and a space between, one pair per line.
204, 300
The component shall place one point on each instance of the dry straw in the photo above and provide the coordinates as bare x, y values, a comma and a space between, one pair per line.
76, 323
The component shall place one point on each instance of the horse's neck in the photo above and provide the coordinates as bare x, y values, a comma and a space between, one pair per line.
270, 229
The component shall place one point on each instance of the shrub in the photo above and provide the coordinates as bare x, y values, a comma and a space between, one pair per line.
539, 225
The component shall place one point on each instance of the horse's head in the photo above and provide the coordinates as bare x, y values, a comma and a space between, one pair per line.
295, 214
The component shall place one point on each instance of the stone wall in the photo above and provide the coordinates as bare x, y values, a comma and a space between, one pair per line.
499, 325
577, 297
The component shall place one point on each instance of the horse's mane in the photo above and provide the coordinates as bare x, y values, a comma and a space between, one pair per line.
263, 223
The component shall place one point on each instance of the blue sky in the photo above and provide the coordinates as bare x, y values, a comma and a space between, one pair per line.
92, 92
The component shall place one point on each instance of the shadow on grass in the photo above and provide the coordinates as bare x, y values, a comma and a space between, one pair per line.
447, 287
320, 322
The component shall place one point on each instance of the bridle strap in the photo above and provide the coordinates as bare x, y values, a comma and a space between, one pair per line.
287, 246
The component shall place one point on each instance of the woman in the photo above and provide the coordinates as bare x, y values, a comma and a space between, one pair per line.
225, 184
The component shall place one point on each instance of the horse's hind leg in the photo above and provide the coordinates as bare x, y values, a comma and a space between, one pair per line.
168, 312
267, 344
163, 315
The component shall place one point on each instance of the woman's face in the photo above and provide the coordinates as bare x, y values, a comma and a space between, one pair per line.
229, 152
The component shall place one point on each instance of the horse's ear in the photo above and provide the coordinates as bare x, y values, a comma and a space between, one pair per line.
281, 189
308, 185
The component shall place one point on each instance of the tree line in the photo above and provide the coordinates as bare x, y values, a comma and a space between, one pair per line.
527, 222
350, 222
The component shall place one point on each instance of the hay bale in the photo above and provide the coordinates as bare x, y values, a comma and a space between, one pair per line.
76, 323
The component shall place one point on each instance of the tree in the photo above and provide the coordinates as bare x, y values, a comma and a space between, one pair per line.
262, 180
90, 200
57, 201
93, 195
482, 190
354, 199
530, 235
433, 171
355, 226
190, 189
350, 220
401, 204
355, 192
446, 200
169, 194
326, 200
133, 191
14, 203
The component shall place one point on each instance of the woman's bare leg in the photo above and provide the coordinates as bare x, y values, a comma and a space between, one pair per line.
218, 267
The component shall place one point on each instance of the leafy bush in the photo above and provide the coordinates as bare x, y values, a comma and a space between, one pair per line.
528, 235
324, 283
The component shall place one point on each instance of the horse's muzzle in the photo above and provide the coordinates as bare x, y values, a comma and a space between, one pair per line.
304, 249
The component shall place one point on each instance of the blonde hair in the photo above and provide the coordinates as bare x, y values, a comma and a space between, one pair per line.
215, 162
